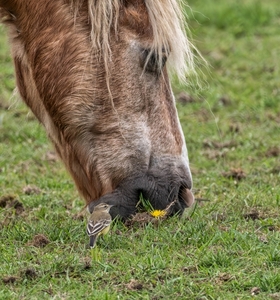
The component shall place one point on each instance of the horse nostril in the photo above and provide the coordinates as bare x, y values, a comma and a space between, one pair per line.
187, 196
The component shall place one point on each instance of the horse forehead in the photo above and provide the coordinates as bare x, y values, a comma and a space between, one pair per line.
135, 17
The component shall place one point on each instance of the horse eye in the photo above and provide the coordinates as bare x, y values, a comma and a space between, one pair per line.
151, 61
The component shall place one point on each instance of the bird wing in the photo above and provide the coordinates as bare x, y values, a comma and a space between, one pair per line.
97, 227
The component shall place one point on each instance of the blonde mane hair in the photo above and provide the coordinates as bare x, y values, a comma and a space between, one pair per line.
168, 25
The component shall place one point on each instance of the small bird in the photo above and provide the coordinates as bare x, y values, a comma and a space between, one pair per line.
99, 222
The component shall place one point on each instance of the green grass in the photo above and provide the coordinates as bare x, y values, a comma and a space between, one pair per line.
227, 248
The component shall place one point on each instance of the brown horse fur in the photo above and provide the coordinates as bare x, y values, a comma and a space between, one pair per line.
93, 73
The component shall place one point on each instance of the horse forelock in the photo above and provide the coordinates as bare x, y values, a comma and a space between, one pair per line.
164, 18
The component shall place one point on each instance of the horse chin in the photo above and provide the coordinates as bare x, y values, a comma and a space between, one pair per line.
159, 188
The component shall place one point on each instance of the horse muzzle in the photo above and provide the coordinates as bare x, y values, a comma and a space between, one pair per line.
158, 187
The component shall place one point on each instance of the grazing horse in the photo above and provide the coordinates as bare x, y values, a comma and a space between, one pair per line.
96, 74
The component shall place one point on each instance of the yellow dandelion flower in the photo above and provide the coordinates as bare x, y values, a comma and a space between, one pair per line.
158, 213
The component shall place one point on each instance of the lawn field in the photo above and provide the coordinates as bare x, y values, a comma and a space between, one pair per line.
226, 247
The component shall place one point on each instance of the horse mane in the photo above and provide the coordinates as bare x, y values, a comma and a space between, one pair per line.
166, 19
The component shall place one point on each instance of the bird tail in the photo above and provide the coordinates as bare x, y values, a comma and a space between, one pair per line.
92, 241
